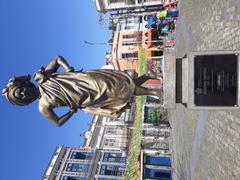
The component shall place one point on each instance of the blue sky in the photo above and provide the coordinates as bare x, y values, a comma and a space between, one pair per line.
32, 33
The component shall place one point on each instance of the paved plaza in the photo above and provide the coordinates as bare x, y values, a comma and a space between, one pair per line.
206, 144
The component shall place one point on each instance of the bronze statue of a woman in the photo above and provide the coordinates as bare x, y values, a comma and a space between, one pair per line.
102, 92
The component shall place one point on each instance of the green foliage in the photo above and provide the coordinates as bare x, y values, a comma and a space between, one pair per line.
142, 61
154, 116
133, 167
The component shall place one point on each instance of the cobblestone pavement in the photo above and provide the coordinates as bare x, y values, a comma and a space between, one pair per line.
206, 144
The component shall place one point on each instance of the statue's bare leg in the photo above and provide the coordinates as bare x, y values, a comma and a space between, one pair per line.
142, 79
139, 91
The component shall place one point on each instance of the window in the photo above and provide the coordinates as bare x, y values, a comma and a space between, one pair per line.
152, 115
111, 130
130, 20
127, 36
81, 155
157, 53
129, 26
157, 173
149, 0
151, 99
135, 36
115, 1
112, 170
109, 142
114, 157
74, 178
155, 160
162, 175
129, 55
75, 167
129, 43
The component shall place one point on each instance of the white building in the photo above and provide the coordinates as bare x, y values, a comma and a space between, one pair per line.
113, 5
108, 134
69, 163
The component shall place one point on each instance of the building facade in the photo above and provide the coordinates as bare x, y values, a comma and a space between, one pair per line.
156, 151
69, 163
156, 130
114, 5
130, 33
111, 165
125, 51
109, 134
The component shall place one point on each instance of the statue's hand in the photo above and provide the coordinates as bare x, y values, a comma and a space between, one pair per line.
41, 75
70, 69
73, 110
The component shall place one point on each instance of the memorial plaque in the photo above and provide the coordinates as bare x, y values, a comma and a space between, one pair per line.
216, 80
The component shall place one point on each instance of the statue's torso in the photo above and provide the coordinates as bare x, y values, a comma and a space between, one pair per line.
99, 90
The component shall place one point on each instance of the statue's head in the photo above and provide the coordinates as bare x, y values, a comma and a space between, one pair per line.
20, 91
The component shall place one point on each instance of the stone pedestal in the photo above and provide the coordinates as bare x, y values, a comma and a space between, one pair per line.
210, 80
169, 79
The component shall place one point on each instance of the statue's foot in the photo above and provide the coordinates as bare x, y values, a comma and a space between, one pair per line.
154, 75
157, 93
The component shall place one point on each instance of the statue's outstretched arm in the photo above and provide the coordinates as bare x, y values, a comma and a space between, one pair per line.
53, 66
51, 115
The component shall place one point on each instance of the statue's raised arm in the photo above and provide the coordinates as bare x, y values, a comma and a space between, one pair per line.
102, 92
53, 66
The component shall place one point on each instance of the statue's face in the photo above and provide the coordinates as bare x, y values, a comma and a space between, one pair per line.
25, 94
